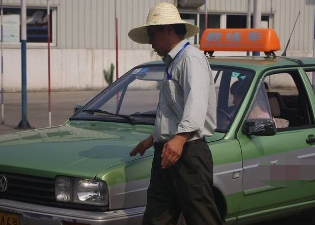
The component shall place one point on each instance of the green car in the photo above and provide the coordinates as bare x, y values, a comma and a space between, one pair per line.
81, 172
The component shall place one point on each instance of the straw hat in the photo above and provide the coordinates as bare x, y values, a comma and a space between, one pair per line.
161, 14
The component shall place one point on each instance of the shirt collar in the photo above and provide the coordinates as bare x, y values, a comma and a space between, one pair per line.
171, 55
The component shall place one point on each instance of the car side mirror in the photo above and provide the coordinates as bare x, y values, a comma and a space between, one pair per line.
260, 127
77, 107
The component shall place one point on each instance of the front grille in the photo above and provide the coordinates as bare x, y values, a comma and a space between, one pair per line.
29, 188
37, 190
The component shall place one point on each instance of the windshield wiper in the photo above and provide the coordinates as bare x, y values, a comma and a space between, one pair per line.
92, 111
153, 115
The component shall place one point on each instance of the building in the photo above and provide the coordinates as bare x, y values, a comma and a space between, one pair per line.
83, 35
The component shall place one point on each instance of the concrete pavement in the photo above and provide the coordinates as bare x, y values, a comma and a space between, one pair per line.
37, 110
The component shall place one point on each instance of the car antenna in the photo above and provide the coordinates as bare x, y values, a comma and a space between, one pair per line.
286, 47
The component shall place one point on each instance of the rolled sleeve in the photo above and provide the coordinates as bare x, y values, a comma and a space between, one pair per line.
195, 81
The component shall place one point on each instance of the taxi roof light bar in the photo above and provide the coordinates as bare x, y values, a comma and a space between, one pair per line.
249, 40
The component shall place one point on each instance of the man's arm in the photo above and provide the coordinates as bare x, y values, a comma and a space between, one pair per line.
142, 146
195, 81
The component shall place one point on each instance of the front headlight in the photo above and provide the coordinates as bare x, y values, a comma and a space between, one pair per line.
90, 192
82, 191
63, 187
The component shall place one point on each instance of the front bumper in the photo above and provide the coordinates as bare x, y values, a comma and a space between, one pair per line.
31, 214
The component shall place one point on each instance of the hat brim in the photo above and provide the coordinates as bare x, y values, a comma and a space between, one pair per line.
140, 34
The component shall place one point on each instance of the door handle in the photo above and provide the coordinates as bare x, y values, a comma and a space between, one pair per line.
310, 139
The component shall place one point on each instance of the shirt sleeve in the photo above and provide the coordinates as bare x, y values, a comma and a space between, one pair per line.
195, 82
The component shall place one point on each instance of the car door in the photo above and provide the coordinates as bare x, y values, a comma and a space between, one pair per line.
277, 168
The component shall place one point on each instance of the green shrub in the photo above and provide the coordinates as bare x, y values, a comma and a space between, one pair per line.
109, 74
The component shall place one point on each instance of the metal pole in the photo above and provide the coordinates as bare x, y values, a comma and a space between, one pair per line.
206, 14
24, 124
257, 18
313, 73
48, 40
2, 86
116, 38
249, 15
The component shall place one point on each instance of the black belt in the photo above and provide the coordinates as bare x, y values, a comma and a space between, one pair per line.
160, 144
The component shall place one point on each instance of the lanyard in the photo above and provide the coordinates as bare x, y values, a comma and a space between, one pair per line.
169, 75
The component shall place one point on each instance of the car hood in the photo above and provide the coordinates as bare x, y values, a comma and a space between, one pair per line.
79, 149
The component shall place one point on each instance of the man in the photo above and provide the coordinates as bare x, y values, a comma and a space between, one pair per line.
181, 175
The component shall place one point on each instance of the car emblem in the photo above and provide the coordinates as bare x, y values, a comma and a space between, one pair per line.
3, 183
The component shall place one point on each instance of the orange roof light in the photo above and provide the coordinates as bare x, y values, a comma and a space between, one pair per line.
256, 40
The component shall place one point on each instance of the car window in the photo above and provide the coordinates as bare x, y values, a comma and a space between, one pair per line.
136, 94
288, 100
261, 107
311, 76
141, 97
231, 87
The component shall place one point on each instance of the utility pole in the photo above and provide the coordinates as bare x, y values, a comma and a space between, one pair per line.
24, 124
117, 52
48, 46
116, 40
313, 73
206, 14
2, 85
249, 15
257, 18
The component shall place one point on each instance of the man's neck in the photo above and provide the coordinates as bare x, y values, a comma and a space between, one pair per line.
173, 52
174, 43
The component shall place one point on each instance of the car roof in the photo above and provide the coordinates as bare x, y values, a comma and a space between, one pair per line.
153, 63
257, 63
261, 63
252, 62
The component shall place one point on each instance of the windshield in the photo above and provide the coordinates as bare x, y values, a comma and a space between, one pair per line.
134, 97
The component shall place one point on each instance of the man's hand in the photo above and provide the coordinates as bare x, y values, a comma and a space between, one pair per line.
172, 150
142, 146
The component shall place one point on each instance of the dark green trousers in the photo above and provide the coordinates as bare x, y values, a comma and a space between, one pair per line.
185, 187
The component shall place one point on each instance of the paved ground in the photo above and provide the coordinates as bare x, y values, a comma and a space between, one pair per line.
37, 110
62, 108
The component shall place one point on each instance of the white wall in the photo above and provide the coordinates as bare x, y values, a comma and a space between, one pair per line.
85, 39
71, 69
76, 69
